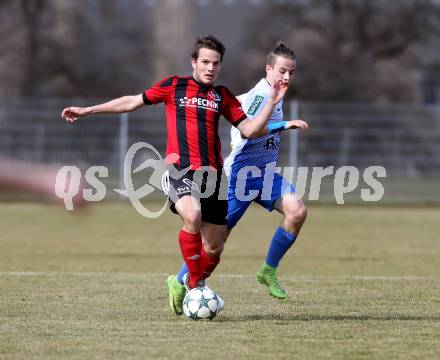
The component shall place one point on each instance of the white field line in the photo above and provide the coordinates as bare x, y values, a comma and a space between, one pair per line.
226, 276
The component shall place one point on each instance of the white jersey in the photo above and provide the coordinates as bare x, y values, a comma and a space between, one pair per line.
259, 151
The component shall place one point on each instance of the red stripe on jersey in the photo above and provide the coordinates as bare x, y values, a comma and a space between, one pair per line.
172, 142
192, 134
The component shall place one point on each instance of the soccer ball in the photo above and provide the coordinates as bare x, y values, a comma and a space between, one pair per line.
200, 303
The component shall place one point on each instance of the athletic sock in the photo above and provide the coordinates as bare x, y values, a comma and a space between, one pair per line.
207, 263
281, 242
183, 271
190, 246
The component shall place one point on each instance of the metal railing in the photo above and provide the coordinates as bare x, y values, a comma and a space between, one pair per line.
405, 139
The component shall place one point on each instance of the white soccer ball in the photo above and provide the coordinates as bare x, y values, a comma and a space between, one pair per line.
201, 303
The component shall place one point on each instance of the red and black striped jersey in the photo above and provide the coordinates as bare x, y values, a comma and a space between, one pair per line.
193, 111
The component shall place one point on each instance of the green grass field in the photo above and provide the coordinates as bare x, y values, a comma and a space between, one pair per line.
364, 283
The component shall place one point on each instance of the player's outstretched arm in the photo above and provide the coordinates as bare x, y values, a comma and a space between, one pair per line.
119, 105
253, 128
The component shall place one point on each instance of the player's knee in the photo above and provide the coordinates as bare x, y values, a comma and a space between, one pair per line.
192, 219
214, 250
302, 213
296, 213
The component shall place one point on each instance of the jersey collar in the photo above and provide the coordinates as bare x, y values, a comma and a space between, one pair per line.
202, 86
263, 83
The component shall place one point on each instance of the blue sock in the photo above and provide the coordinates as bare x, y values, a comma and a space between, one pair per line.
281, 242
183, 271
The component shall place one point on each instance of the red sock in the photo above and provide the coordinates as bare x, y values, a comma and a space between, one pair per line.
207, 263
190, 246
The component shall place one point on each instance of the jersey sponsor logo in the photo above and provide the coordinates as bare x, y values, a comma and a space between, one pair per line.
255, 104
199, 103
183, 189
212, 95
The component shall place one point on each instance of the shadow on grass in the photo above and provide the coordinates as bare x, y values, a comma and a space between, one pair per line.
341, 317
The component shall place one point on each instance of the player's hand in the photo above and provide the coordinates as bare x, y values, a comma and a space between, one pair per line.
73, 113
278, 90
297, 124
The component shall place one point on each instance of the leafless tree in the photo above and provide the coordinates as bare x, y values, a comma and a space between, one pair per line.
77, 48
352, 50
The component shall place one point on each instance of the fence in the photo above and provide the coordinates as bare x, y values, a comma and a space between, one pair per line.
405, 139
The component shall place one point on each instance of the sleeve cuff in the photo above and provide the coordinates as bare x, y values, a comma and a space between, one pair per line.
240, 120
145, 99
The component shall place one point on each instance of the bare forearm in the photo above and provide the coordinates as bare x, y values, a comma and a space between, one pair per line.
261, 120
119, 105
257, 126
281, 126
263, 131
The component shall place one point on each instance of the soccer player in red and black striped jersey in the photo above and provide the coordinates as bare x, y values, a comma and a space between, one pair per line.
193, 108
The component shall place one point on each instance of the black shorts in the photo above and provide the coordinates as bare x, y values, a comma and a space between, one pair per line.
210, 187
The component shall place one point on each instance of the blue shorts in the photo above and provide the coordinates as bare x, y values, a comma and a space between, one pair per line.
242, 192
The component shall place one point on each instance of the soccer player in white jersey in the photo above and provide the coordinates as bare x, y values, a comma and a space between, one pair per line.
260, 155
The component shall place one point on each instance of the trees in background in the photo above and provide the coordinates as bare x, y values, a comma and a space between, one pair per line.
353, 50
65, 48
348, 50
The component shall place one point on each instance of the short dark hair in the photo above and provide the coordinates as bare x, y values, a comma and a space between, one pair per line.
207, 42
280, 50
